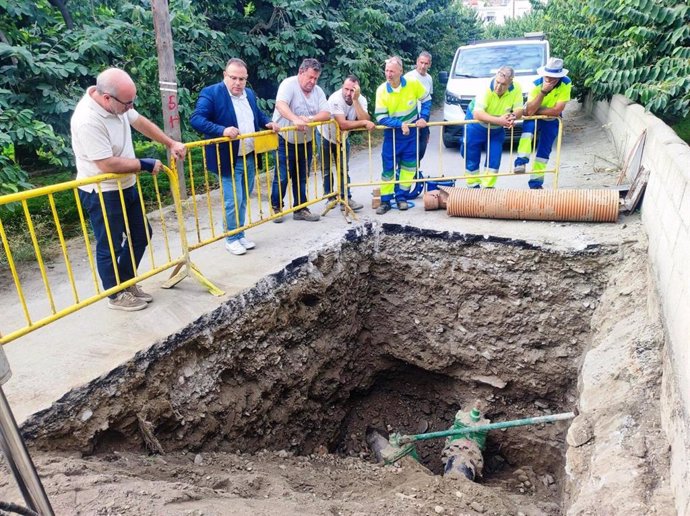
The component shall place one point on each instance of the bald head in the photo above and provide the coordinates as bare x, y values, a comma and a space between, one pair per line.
115, 81
117, 85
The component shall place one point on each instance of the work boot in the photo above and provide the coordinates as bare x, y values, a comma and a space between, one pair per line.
280, 219
403, 206
520, 165
354, 205
126, 301
305, 214
384, 208
139, 293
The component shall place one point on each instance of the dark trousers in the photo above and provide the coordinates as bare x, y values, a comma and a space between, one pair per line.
329, 156
293, 163
424, 135
138, 226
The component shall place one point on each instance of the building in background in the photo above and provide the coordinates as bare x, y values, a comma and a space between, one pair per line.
498, 11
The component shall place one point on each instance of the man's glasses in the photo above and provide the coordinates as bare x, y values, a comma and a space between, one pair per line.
126, 104
234, 78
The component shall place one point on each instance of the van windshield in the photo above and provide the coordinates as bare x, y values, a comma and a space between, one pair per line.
485, 61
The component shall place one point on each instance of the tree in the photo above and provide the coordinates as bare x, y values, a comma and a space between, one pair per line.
639, 48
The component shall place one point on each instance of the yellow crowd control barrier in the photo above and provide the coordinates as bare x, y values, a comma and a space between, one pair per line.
254, 198
453, 167
36, 244
253, 192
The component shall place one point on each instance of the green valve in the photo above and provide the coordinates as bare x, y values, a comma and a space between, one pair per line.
475, 415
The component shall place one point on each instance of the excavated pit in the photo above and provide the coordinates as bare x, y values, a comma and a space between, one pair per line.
393, 327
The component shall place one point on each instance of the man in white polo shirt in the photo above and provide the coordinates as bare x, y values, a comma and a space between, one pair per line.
421, 73
102, 143
299, 101
349, 109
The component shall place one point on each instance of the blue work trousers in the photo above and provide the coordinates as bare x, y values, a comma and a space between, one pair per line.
138, 227
236, 191
293, 163
547, 131
399, 160
480, 139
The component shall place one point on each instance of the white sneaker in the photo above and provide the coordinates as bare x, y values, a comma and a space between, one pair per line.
235, 247
247, 244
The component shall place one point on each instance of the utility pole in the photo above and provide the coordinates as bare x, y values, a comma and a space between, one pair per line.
168, 81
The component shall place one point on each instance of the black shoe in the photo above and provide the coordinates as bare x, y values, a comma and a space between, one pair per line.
403, 206
384, 208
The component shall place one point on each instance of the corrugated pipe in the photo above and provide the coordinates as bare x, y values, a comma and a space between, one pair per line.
563, 205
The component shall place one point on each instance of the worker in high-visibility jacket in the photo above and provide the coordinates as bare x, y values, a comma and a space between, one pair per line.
495, 110
549, 96
396, 107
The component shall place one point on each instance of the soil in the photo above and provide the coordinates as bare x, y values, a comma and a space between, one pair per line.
260, 407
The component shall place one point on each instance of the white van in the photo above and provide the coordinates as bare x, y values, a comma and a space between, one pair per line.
476, 64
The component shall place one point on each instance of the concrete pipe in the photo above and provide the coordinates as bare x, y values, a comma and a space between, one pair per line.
563, 205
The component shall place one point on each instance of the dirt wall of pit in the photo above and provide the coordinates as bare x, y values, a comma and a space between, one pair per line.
666, 218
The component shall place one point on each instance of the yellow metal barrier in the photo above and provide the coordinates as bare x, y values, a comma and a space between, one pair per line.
206, 205
33, 310
267, 199
374, 163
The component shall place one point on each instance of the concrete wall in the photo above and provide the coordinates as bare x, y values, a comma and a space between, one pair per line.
666, 218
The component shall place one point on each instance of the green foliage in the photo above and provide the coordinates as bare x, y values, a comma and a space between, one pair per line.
639, 48
46, 66
682, 128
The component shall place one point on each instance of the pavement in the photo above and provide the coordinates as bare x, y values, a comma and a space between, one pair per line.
80, 347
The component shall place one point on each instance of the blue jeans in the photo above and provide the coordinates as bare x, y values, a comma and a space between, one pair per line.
329, 153
138, 228
293, 162
236, 192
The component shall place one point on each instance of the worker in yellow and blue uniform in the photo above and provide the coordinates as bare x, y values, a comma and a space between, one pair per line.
495, 110
396, 107
549, 96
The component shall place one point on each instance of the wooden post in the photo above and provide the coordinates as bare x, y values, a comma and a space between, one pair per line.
168, 81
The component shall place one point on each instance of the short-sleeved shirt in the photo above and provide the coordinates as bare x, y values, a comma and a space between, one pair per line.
245, 121
338, 106
561, 93
492, 104
300, 104
400, 102
98, 134
426, 80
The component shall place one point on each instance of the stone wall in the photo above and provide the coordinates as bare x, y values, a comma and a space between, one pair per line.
666, 218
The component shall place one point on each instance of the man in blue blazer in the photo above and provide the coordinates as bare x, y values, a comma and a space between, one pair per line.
229, 108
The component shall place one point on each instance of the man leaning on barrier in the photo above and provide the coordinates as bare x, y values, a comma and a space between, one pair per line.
349, 109
102, 143
549, 96
496, 109
421, 73
229, 108
396, 107
299, 101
